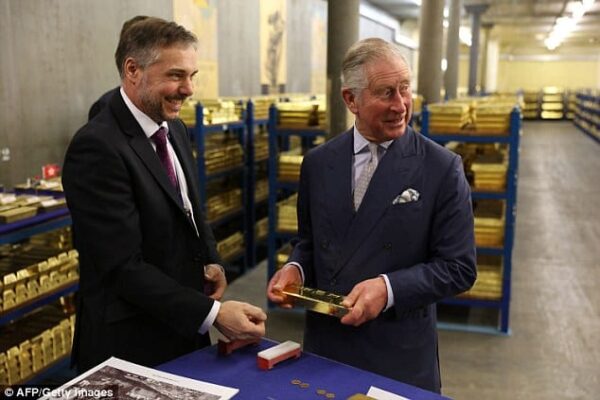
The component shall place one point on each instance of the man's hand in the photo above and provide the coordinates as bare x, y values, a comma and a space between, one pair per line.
215, 281
366, 301
288, 275
237, 320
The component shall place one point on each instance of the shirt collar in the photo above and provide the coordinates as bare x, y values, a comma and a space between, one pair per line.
360, 142
148, 125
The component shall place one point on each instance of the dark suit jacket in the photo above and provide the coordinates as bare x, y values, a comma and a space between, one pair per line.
425, 247
101, 103
141, 262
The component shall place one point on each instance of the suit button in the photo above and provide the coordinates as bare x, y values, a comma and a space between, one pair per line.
333, 282
324, 244
387, 246
197, 257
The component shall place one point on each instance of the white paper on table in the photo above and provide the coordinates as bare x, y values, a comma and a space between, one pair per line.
134, 381
381, 394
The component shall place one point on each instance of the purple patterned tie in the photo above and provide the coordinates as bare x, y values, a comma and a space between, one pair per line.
160, 140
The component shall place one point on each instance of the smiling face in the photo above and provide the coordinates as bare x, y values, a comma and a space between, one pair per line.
382, 109
160, 88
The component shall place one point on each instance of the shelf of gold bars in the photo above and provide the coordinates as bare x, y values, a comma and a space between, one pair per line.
486, 116
16, 207
36, 268
35, 342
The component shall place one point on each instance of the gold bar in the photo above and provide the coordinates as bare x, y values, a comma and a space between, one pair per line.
317, 300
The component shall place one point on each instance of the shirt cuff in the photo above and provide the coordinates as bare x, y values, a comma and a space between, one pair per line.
210, 318
390, 294
295, 264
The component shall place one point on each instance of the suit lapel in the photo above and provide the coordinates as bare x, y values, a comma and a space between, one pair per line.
393, 171
338, 184
187, 164
142, 147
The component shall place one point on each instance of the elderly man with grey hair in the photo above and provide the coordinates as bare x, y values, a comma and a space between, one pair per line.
385, 219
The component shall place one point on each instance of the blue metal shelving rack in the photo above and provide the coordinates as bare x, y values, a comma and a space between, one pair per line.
509, 196
251, 164
279, 140
199, 133
16, 231
587, 114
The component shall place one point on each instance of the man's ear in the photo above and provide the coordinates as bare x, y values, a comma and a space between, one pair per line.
132, 70
350, 100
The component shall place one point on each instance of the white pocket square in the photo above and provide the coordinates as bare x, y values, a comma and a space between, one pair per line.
407, 196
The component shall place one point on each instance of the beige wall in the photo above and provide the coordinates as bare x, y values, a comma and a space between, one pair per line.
534, 75
56, 59
513, 75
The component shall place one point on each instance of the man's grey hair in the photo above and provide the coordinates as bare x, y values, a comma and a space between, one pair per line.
359, 55
143, 40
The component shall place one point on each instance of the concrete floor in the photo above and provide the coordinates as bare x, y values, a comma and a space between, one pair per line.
553, 351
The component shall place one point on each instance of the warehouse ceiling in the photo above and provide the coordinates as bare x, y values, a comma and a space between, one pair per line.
520, 24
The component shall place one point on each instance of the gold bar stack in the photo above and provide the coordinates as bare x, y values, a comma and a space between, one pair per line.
490, 170
261, 229
35, 342
261, 145
289, 165
448, 117
302, 114
218, 111
261, 106
531, 107
488, 285
553, 103
31, 270
50, 186
261, 190
214, 111
287, 220
230, 247
222, 153
188, 112
492, 118
489, 223
223, 203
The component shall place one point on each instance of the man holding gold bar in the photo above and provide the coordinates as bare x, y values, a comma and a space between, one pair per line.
146, 250
385, 219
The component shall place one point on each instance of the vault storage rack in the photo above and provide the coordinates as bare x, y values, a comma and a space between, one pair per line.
502, 251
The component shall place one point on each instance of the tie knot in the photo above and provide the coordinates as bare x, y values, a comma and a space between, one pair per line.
160, 136
373, 148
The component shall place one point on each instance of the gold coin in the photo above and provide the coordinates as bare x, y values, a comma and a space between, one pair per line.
330, 395
321, 391
296, 381
304, 385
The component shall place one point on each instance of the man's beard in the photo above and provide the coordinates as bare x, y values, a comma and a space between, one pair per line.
153, 106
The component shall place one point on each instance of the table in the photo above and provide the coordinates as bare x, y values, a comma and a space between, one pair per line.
239, 370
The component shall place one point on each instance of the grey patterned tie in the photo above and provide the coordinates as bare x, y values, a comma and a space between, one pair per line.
366, 175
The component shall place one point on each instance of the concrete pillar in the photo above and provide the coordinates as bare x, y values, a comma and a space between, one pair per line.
475, 10
431, 31
342, 32
491, 81
487, 27
452, 49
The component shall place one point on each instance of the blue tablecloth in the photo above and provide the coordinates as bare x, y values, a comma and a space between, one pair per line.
240, 370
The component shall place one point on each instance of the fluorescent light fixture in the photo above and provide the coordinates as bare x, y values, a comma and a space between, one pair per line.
565, 25
464, 34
